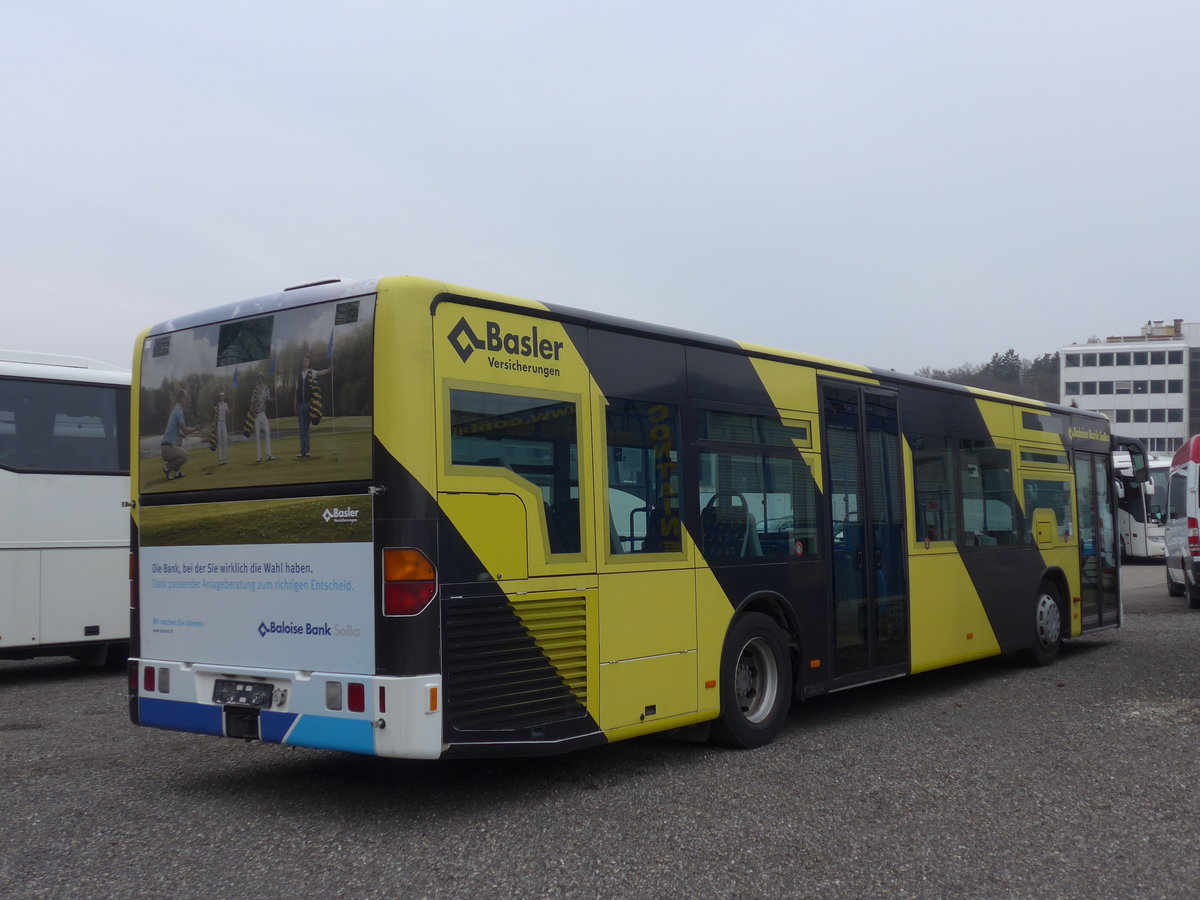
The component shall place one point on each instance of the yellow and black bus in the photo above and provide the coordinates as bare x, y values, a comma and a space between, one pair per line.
404, 518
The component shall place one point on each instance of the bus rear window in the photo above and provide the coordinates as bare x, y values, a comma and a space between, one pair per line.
273, 399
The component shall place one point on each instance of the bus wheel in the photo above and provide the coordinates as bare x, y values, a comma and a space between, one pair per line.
1173, 589
756, 683
1047, 627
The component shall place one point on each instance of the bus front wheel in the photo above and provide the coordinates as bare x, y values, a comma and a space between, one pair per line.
1047, 623
756, 683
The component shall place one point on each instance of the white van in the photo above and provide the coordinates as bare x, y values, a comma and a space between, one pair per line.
1183, 523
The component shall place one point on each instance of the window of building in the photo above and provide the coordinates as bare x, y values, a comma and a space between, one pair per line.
1141, 387
1140, 415
1122, 358
1122, 415
1175, 415
1072, 359
1158, 386
645, 484
1139, 358
1158, 357
1104, 387
1072, 388
1158, 415
1089, 387
1123, 387
1089, 359
1106, 359
1175, 357
533, 438
1175, 386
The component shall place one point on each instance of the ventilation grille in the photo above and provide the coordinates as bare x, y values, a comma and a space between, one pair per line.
515, 666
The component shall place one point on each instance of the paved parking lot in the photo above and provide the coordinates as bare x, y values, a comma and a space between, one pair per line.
990, 780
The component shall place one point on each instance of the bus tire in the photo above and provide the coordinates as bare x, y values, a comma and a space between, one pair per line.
756, 683
1047, 627
1173, 589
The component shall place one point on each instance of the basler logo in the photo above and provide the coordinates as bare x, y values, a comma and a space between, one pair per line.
334, 514
528, 344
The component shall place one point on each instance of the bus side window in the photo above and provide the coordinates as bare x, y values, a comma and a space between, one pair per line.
532, 437
990, 516
1053, 494
645, 504
933, 480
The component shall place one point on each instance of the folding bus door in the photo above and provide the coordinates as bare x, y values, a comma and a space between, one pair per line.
865, 495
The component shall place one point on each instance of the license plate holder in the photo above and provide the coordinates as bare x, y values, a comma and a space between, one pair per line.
255, 694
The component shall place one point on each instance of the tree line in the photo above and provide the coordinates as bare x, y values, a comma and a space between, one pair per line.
1006, 372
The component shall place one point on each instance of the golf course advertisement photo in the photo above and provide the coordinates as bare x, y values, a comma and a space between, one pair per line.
282, 398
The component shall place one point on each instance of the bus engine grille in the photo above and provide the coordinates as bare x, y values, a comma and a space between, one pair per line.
519, 665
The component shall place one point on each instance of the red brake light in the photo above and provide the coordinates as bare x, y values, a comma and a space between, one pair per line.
148, 679
409, 582
356, 696
1193, 536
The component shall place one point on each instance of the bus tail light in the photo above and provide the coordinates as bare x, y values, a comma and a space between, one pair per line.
148, 679
409, 582
356, 696
1193, 528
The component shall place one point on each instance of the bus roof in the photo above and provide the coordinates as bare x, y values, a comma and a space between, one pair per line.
55, 367
334, 288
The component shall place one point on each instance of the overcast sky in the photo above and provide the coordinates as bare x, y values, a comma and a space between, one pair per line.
894, 183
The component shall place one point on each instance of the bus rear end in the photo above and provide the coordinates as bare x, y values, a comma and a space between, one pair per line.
269, 564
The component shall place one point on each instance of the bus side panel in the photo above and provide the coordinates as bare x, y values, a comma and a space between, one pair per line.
20, 573
949, 622
1005, 579
94, 608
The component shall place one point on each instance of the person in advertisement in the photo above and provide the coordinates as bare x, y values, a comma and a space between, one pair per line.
308, 403
220, 418
258, 414
173, 454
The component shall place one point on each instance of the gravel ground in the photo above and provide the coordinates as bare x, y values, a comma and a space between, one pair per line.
989, 780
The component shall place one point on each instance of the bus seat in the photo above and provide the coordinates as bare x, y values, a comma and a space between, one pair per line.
726, 528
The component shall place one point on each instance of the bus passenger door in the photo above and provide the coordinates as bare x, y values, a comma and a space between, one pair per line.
865, 496
1099, 588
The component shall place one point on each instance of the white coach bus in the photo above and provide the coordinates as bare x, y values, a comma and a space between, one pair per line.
64, 538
